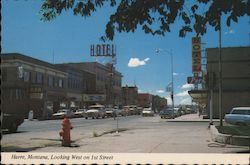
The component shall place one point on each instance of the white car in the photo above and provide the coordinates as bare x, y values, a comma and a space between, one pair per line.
110, 112
238, 116
147, 112
80, 113
96, 111
62, 113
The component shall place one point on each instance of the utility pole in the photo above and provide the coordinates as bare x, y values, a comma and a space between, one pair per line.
172, 76
220, 75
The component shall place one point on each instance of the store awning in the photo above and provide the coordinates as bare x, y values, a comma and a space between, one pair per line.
199, 96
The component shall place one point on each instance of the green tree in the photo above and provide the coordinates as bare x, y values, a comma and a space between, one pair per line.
153, 16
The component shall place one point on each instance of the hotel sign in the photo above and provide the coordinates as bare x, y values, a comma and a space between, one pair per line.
103, 50
196, 54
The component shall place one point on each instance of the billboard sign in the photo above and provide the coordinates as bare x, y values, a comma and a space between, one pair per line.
107, 50
196, 54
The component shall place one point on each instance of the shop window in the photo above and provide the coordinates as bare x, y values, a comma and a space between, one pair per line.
19, 94
4, 74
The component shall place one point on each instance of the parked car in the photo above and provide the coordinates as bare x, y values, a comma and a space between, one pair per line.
118, 111
11, 122
62, 113
125, 111
238, 116
80, 113
177, 112
110, 112
167, 113
133, 110
147, 112
96, 111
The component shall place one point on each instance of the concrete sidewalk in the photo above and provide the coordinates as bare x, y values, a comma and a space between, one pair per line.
191, 118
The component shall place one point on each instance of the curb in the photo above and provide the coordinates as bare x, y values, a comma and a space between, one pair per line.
229, 139
173, 120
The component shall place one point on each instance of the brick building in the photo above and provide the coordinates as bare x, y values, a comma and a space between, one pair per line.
145, 100
129, 95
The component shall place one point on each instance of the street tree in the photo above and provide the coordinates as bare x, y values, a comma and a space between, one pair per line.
153, 16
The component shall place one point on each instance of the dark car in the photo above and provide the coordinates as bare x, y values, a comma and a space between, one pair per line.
167, 113
11, 122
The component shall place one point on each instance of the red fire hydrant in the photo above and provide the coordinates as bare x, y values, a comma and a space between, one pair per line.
65, 132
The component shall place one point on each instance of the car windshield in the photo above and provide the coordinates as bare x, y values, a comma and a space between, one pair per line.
96, 107
62, 110
243, 112
80, 110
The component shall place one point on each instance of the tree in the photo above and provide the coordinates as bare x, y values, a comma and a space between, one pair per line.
153, 16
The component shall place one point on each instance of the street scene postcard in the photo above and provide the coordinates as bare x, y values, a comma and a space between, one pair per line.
125, 82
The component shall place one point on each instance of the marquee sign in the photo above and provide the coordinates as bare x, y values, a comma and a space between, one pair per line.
194, 80
103, 50
196, 54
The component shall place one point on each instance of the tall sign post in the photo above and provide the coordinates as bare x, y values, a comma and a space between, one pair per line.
106, 50
196, 59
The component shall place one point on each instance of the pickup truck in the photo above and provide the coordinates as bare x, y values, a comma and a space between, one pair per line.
11, 122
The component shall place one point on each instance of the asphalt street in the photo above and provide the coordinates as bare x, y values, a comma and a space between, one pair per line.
136, 134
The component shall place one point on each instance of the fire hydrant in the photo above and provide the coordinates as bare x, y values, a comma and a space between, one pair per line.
65, 132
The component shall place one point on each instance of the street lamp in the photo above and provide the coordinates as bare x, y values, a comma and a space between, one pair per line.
172, 71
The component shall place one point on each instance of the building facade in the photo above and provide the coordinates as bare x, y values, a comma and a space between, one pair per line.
108, 81
129, 95
144, 100
79, 82
31, 84
235, 78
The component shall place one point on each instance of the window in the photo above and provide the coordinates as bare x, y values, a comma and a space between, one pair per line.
60, 83
4, 74
55, 82
26, 76
39, 78
50, 81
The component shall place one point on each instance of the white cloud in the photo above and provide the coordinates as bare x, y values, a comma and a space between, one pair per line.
160, 91
135, 62
178, 74
182, 94
230, 32
187, 86
186, 101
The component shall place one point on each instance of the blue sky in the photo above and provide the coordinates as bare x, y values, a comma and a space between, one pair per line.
69, 38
